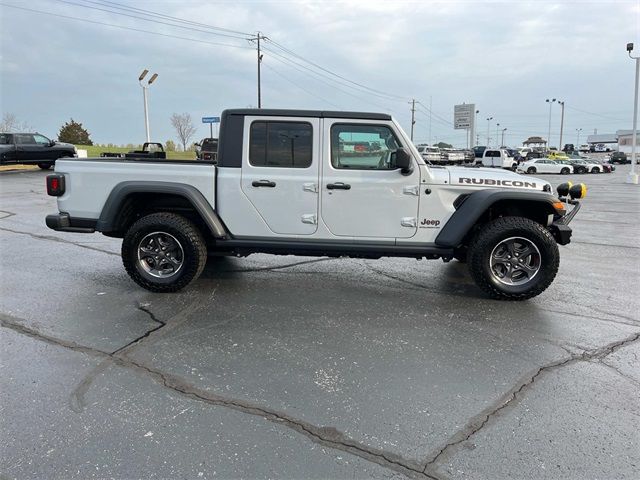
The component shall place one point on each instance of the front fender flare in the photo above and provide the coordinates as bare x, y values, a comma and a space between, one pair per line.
476, 204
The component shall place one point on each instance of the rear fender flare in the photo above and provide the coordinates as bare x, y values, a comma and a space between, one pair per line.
111, 210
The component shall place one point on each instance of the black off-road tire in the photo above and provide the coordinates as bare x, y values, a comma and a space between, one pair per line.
498, 230
189, 237
45, 166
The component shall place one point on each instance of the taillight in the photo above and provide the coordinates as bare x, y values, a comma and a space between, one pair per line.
55, 185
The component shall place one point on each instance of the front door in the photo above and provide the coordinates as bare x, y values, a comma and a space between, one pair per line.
280, 172
363, 193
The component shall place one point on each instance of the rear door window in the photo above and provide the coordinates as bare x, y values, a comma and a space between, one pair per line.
280, 144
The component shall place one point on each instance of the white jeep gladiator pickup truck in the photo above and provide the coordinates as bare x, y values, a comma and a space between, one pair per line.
292, 182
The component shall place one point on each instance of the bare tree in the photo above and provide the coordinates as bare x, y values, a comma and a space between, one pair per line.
184, 128
10, 123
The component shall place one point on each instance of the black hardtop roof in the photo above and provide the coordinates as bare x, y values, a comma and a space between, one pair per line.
305, 113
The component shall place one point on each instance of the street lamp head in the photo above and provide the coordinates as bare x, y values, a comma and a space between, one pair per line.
143, 74
629, 47
477, 111
153, 78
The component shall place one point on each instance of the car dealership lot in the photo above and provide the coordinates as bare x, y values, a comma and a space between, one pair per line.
303, 367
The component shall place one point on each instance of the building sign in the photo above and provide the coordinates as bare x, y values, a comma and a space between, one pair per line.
463, 116
210, 119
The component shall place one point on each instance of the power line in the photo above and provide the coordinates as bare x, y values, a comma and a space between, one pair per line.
126, 28
151, 20
162, 15
321, 77
320, 74
371, 90
300, 87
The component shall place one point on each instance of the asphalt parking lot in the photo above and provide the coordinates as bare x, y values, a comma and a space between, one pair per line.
294, 367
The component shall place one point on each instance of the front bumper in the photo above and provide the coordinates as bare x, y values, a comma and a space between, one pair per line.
62, 222
560, 228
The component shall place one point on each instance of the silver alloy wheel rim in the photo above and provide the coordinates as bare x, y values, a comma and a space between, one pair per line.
515, 261
160, 255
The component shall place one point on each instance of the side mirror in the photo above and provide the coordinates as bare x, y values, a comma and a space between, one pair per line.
52, 143
403, 161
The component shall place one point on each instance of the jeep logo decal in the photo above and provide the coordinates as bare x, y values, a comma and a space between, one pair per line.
428, 223
504, 183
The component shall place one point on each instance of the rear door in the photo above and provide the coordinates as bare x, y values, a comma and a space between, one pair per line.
7, 148
280, 172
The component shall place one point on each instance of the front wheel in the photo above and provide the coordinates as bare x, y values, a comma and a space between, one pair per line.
163, 252
531, 170
595, 170
513, 258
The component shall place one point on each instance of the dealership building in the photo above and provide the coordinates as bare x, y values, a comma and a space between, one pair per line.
611, 142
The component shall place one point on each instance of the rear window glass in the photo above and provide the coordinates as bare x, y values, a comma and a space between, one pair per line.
280, 144
492, 153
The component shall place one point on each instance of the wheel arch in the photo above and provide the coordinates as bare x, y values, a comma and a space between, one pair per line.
481, 207
131, 199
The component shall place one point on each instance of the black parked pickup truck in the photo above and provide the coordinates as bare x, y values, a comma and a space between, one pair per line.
33, 148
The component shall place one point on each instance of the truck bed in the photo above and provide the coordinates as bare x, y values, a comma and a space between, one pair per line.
89, 181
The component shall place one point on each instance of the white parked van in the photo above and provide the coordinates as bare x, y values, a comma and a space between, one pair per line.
498, 157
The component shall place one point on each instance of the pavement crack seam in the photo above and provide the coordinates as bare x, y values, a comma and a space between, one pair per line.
56, 239
135, 341
6, 214
510, 399
619, 372
327, 436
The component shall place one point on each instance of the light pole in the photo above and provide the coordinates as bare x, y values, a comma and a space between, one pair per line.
578, 138
550, 102
144, 96
488, 126
561, 124
633, 176
475, 127
497, 126
503, 130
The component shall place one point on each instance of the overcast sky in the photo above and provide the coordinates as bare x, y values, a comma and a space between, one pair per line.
506, 57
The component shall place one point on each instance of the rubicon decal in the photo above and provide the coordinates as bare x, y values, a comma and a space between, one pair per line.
503, 183
428, 223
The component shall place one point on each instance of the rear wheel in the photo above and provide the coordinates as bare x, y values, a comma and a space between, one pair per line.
513, 258
45, 166
595, 170
164, 252
531, 170
565, 171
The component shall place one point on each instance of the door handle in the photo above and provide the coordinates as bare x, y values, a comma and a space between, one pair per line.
263, 183
338, 186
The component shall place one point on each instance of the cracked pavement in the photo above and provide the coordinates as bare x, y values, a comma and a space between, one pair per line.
303, 368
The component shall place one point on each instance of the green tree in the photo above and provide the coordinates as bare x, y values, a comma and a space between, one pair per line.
170, 146
73, 132
442, 145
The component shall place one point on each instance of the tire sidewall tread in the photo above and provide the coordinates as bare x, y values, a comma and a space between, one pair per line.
500, 229
190, 237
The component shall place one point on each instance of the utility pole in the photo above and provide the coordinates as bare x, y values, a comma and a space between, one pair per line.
578, 138
413, 116
561, 123
497, 126
430, 98
633, 176
488, 124
259, 37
